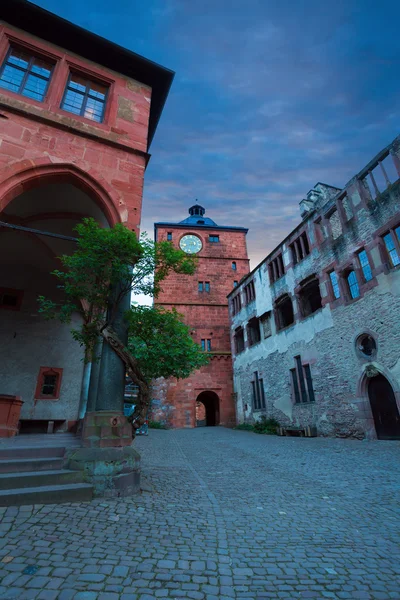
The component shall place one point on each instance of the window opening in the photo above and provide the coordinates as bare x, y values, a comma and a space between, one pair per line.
310, 297
10, 299
258, 392
207, 286
365, 266
234, 266
85, 98
335, 284
200, 286
253, 331
235, 283
249, 292
353, 285
391, 247
295, 386
169, 236
266, 324
25, 74
302, 382
284, 309
366, 345
213, 238
239, 340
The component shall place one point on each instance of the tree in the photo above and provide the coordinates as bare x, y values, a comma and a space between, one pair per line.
106, 265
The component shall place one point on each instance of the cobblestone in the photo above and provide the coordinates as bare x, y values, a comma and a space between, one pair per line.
227, 515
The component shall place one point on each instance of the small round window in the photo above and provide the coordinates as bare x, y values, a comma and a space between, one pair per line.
366, 345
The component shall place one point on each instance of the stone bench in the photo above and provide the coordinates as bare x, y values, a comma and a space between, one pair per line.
298, 431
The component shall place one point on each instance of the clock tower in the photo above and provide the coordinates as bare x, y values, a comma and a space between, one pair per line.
206, 397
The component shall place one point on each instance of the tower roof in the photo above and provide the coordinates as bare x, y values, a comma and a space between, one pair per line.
197, 219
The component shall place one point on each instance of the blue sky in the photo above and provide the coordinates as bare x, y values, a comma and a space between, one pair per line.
269, 98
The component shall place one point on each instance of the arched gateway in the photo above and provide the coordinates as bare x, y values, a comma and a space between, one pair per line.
207, 409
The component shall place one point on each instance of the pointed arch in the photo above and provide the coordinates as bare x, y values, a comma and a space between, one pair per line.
28, 174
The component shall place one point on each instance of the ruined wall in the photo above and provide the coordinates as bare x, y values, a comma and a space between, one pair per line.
326, 339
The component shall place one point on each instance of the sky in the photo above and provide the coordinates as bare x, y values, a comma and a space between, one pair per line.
269, 98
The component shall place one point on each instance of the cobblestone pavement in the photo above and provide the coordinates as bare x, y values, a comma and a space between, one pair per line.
227, 514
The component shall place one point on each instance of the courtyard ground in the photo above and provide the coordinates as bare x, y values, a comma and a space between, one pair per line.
225, 514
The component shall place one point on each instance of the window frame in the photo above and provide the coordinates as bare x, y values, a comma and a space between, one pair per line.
86, 95
212, 240
302, 383
253, 325
367, 265
332, 286
347, 275
392, 232
234, 265
19, 294
258, 393
200, 287
32, 54
207, 287
239, 330
169, 236
43, 371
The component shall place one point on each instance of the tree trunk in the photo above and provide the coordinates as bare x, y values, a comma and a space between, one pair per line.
142, 407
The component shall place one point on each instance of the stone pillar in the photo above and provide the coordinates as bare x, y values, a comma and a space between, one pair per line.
94, 376
106, 426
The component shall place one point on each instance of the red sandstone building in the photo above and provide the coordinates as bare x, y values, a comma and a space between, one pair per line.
206, 397
77, 116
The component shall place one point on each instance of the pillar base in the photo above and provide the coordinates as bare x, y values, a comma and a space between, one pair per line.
113, 472
106, 429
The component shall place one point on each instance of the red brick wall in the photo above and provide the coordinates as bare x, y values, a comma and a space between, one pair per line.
207, 315
40, 134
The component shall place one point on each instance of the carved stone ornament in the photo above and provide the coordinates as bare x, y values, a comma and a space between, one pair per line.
371, 371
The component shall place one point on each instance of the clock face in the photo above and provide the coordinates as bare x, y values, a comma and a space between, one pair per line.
191, 244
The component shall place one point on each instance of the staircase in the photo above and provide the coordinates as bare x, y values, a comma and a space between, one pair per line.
36, 475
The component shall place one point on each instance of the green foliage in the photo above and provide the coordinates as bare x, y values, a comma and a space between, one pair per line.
265, 425
91, 276
245, 427
161, 343
157, 425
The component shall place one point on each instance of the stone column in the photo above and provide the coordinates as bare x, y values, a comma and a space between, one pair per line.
105, 424
94, 376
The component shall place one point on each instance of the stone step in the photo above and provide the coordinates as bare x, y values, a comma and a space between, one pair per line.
23, 465
47, 494
29, 451
9, 481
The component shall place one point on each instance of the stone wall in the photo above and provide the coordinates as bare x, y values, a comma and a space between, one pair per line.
326, 339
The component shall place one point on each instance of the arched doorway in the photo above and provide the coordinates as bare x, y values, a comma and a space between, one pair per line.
384, 408
207, 409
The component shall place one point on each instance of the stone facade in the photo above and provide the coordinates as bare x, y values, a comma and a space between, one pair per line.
205, 309
319, 344
57, 167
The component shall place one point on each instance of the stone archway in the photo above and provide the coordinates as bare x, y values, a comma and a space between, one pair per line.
207, 409
41, 207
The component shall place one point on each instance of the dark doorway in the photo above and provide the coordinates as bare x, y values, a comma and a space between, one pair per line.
207, 409
384, 408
